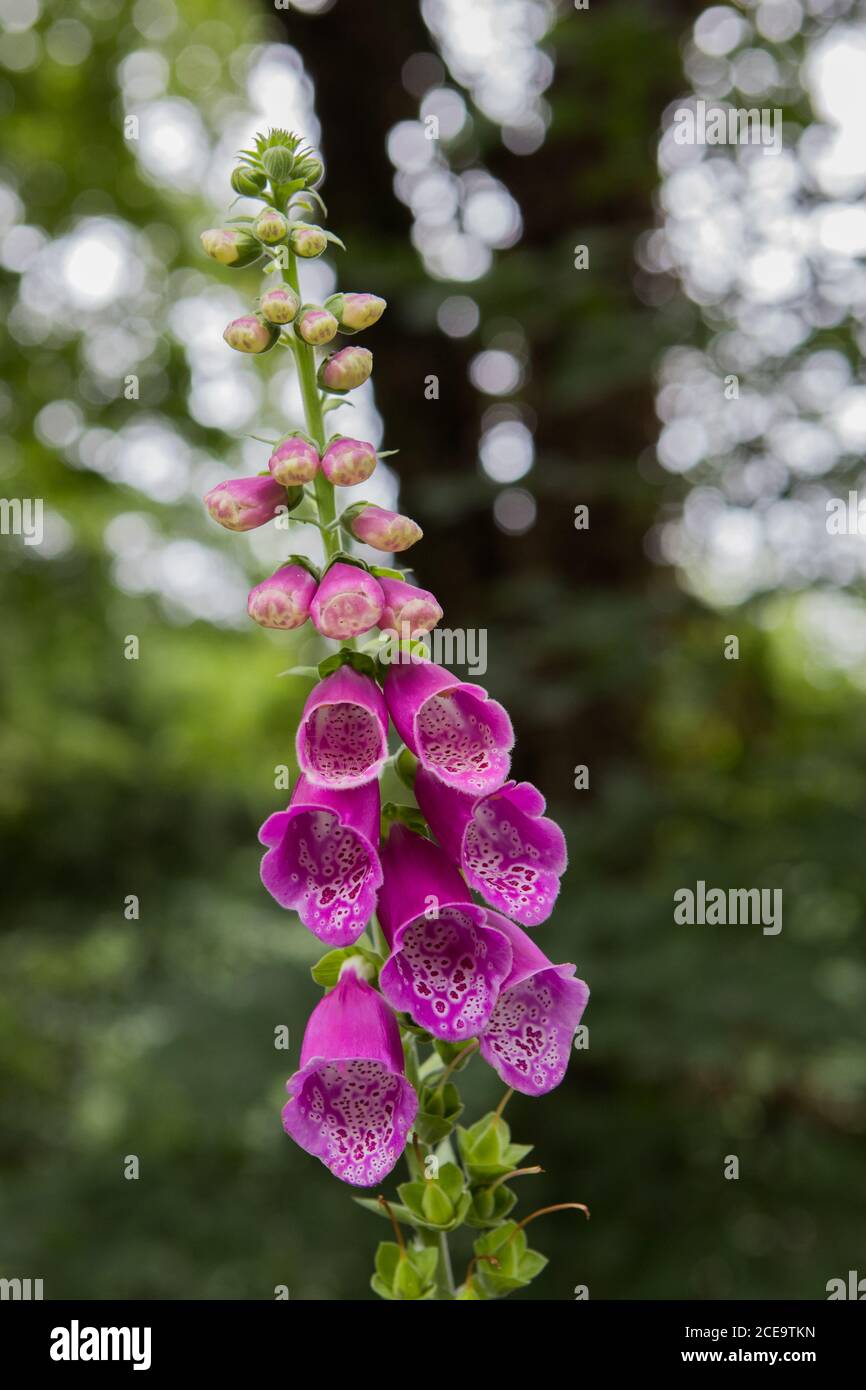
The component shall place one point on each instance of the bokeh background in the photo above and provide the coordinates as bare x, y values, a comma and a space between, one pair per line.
557, 387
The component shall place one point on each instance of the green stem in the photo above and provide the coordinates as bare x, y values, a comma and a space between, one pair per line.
439, 1239
315, 420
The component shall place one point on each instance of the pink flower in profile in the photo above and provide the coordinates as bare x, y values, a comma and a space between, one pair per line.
408, 610
350, 1104
323, 859
447, 963
348, 602
283, 599
454, 729
342, 738
385, 530
242, 504
510, 852
531, 1030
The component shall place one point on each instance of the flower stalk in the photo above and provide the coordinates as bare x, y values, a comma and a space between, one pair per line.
417, 903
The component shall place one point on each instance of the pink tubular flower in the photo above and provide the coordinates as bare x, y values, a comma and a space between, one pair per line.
509, 851
350, 1104
385, 530
348, 602
446, 964
251, 334
342, 738
242, 504
528, 1039
323, 859
294, 461
455, 731
283, 600
408, 611
348, 461
346, 369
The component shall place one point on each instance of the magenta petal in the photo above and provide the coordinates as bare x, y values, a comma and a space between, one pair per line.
323, 859
417, 878
342, 738
456, 732
510, 852
350, 1104
529, 1037
446, 963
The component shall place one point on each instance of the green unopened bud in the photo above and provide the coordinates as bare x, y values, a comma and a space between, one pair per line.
230, 246
278, 164
308, 241
312, 171
246, 181
280, 304
436, 1205
270, 226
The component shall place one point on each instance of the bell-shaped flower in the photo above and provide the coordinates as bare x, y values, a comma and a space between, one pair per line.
242, 504
509, 851
408, 610
530, 1034
349, 601
454, 729
447, 964
384, 530
283, 599
342, 738
350, 1104
323, 859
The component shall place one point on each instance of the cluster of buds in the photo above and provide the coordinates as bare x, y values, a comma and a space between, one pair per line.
427, 907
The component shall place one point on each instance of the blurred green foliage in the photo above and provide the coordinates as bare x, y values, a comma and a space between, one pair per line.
155, 1037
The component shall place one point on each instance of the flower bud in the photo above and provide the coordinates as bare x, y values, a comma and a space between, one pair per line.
308, 241
385, 530
250, 334
294, 461
270, 226
242, 504
348, 461
436, 1205
230, 246
283, 600
280, 304
356, 311
248, 182
346, 369
313, 171
278, 164
408, 611
316, 325
347, 603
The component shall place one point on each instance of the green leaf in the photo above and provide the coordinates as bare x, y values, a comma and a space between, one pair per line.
326, 971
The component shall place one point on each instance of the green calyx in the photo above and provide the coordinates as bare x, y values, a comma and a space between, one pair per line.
487, 1151
405, 1274
326, 971
504, 1261
437, 1203
360, 662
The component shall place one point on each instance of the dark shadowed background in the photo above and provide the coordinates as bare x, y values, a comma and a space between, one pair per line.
608, 387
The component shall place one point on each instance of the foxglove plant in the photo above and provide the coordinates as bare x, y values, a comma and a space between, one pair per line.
420, 976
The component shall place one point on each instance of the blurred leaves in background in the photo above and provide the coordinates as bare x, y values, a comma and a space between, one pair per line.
149, 777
